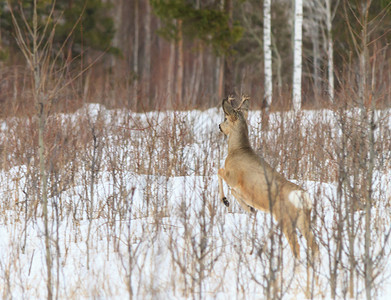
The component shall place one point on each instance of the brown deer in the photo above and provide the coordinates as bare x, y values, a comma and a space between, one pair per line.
256, 185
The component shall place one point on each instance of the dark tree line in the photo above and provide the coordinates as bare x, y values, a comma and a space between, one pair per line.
181, 53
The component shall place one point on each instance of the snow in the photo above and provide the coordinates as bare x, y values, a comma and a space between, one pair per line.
168, 236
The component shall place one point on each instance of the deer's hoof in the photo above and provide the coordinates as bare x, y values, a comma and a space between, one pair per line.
225, 201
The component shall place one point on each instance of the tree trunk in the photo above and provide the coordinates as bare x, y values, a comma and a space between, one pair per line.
41, 104
44, 195
199, 75
330, 52
170, 79
179, 79
135, 55
118, 24
316, 57
220, 77
147, 54
220, 67
367, 112
267, 53
297, 55
195, 77
15, 96
86, 85
229, 84
278, 67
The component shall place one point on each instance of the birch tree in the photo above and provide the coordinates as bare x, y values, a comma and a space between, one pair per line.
297, 55
328, 11
267, 53
320, 28
330, 50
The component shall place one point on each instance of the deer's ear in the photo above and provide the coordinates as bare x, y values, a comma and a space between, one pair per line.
227, 107
244, 108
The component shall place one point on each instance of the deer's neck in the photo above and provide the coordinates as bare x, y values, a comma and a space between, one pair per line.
238, 140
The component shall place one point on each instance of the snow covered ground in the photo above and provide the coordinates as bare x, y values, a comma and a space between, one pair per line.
150, 223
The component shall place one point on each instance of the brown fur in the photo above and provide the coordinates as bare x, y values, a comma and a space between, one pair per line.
256, 185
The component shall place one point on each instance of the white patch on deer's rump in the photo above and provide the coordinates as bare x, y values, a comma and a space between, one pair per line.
300, 199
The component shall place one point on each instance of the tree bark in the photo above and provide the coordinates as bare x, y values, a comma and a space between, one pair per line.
220, 77
135, 55
220, 66
267, 50
367, 112
179, 79
229, 84
278, 67
297, 55
330, 52
147, 54
171, 75
41, 105
316, 57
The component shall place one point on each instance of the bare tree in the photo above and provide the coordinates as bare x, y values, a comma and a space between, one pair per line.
38, 58
49, 77
319, 27
330, 14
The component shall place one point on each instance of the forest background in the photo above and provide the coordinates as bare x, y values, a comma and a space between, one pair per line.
150, 55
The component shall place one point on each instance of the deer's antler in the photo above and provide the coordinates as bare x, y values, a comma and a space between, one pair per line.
231, 98
244, 98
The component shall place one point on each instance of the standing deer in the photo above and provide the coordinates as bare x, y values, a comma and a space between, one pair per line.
256, 185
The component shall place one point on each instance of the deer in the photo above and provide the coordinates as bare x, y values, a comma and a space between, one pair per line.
258, 186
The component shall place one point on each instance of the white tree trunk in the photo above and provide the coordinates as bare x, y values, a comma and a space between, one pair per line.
297, 55
267, 50
330, 50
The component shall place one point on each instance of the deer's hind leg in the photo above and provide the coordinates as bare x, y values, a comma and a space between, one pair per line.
290, 234
242, 203
305, 228
288, 226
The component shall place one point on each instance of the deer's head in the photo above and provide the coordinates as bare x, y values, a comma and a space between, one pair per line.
234, 118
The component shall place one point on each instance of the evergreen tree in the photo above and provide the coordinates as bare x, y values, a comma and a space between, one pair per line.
80, 23
209, 25
94, 27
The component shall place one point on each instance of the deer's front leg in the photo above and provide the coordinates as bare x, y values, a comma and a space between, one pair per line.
221, 175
